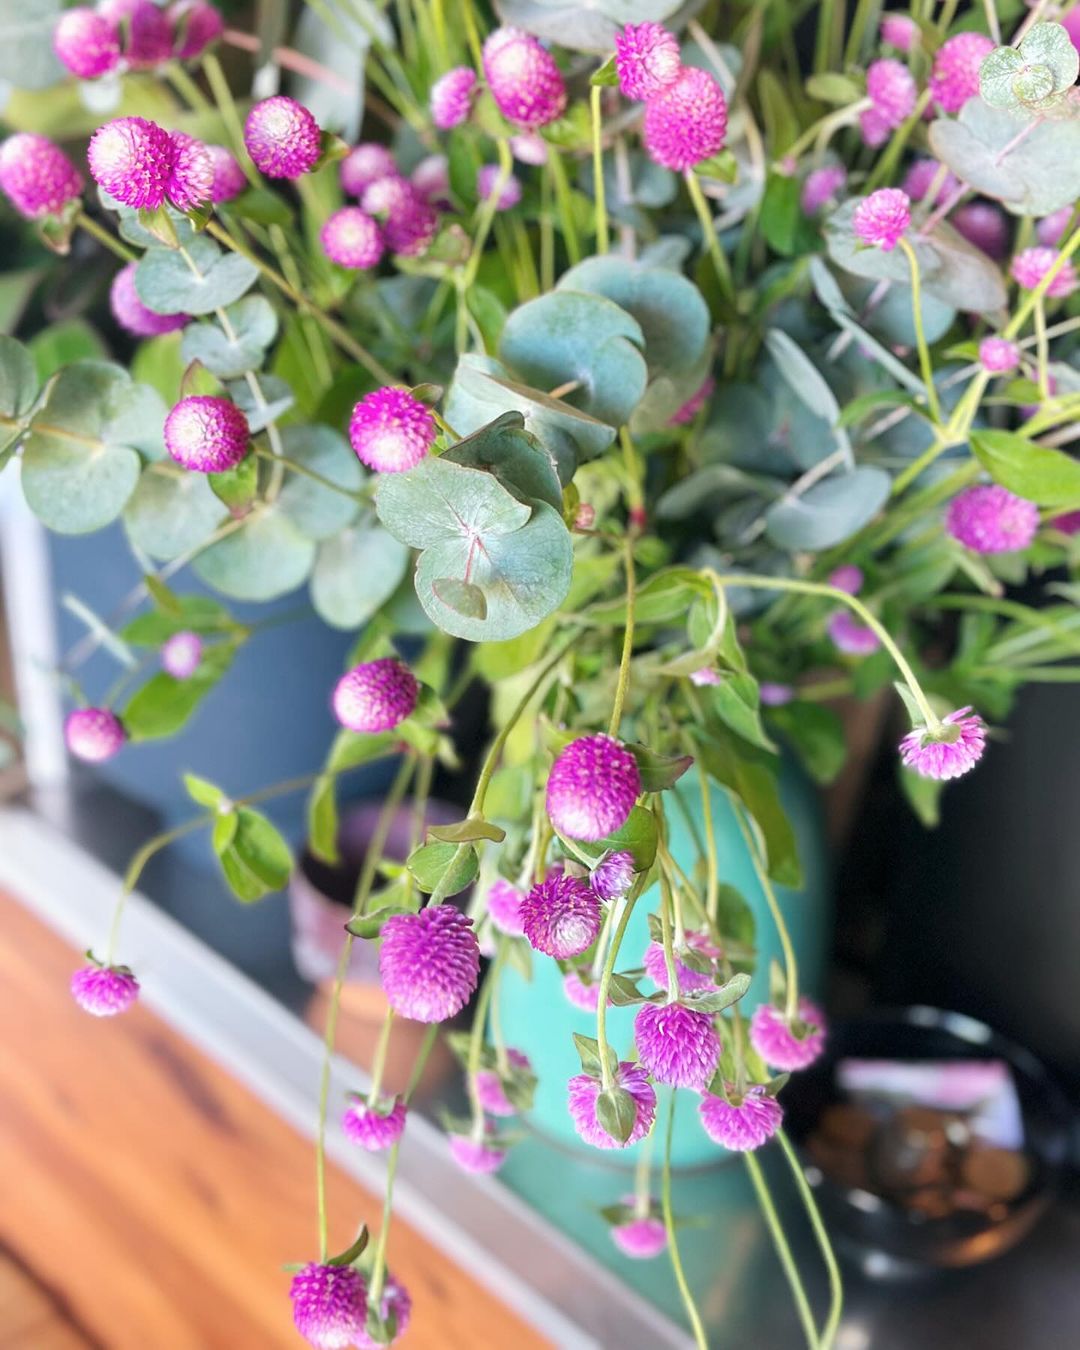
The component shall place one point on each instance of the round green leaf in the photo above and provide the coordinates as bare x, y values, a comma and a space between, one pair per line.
18, 387
319, 512
356, 572
587, 26
266, 557
167, 285
254, 325
171, 512
439, 500
273, 400
516, 458
830, 512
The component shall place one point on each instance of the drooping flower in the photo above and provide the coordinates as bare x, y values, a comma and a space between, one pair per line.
132, 159
408, 219
431, 178
1029, 267
1050, 231
229, 180
479, 1156
391, 430
451, 97
955, 76
783, 1046
847, 578
998, 355
690, 980
561, 916
197, 26
181, 655
529, 148
191, 180
984, 226
694, 404
922, 175
743, 1126
94, 734
949, 752
36, 176
821, 187
881, 219
581, 995
584, 1091
366, 164
612, 875
899, 31
207, 434
374, 1126
351, 238
146, 29
687, 122
504, 907
524, 80
677, 1045
396, 1303
130, 312
850, 636
282, 137
104, 991
647, 59
774, 695
329, 1305
892, 91
641, 1237
990, 519
375, 695
490, 1092
592, 787
87, 43
429, 963
487, 177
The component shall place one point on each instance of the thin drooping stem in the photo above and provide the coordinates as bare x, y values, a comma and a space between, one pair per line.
712, 239
378, 1064
791, 969
836, 1286
599, 190
712, 884
1042, 348
700, 1339
623, 684
926, 366
98, 232
565, 204
605, 980
783, 1250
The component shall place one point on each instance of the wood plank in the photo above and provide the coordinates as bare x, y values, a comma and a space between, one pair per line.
159, 1197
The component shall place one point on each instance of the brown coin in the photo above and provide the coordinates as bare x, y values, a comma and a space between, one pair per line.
999, 1173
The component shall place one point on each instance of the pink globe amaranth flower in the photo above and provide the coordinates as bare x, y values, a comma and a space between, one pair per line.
1067, 523
87, 43
487, 177
640, 1238
132, 159
1070, 21
451, 97
146, 31
374, 1127
613, 875
949, 752
561, 916
984, 226
207, 434
873, 127
490, 1092
1051, 229
390, 430
191, 182
687, 122
181, 655
282, 137
583, 1094
130, 312
997, 355
478, 1156
375, 695
882, 218
647, 59
229, 180
395, 1301
677, 1045
196, 26
526, 84
104, 991
504, 907
431, 178
920, 177
821, 187
581, 995
429, 963
988, 518
899, 31
36, 176
329, 1305
94, 734
744, 1127
409, 221
592, 787
690, 980
693, 404
955, 76
779, 1044
774, 695
351, 238
706, 678
1029, 267
529, 148
366, 164
892, 91
847, 578
850, 636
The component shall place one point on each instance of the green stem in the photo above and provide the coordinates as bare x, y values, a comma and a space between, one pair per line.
783, 1250
186, 87
836, 1286
623, 684
925, 364
605, 981
226, 106
477, 1034
791, 969
486, 214
378, 1066
104, 238
135, 870
712, 239
700, 1339
302, 469
1042, 348
712, 885
565, 204
599, 191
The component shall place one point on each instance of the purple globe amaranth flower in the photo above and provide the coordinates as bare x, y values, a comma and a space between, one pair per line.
561, 916
742, 1127
487, 178
1050, 231
821, 187
529, 148
984, 226
955, 75
526, 84
229, 180
946, 751
504, 907
36, 176
87, 43
782, 1045
774, 695
490, 1092
395, 1302
366, 164
581, 995
693, 405
130, 312
708, 677
1068, 522
922, 175
850, 636
899, 31
612, 876
191, 181
351, 238
282, 137
147, 32
431, 178
584, 1091
197, 26
647, 59
451, 97
94, 734
1029, 267
376, 695
104, 991
429, 963
181, 655
847, 578
329, 1305
881, 219
988, 518
690, 980
892, 91
592, 787
374, 1127
873, 128
408, 219
998, 355
479, 1156
132, 159
677, 1045
207, 434
391, 430
687, 122
640, 1238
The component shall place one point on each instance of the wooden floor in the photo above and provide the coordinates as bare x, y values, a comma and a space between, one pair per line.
148, 1201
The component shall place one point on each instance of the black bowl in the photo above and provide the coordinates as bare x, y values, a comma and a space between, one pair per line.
884, 1239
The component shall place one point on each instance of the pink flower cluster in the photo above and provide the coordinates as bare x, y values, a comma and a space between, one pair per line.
36, 176
891, 89
133, 35
391, 430
141, 165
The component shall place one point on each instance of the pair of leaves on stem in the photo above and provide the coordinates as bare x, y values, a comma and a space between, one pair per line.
254, 857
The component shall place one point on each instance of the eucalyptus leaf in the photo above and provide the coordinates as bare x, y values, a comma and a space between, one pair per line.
253, 325
27, 58
1034, 75
587, 26
171, 512
262, 406
318, 511
18, 389
829, 512
356, 572
515, 457
266, 556
166, 283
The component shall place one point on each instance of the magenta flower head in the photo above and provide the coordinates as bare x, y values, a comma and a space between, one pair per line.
561, 916
181, 655
148, 36
429, 963
949, 750
847, 578
132, 159
677, 1045
592, 787
690, 980
282, 137
892, 91
526, 84
955, 76
881, 219
207, 434
821, 187
36, 176
694, 404
352, 239
612, 875
988, 518
640, 1238
850, 636
504, 907
1067, 523
487, 176
376, 695
687, 122
997, 355
87, 43
104, 991
581, 995
229, 180
984, 226
920, 178
431, 178
1051, 229
191, 182
584, 1091
366, 164
647, 59
529, 148
408, 219
130, 312
329, 1305
490, 1092
391, 430
1029, 267
774, 695
374, 1126
94, 734
451, 97
479, 1156
396, 1303
741, 1127
899, 31
197, 26
783, 1045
